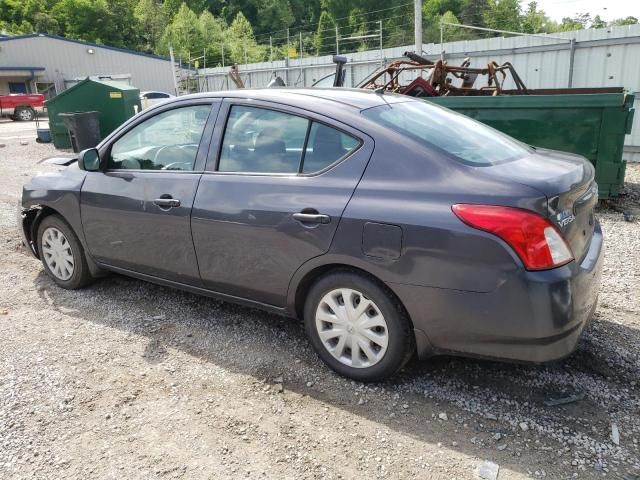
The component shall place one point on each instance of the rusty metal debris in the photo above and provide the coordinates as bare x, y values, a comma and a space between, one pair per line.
432, 79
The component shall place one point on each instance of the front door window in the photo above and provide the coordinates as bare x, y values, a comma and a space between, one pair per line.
167, 141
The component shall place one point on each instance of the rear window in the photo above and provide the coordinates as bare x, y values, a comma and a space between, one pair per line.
469, 141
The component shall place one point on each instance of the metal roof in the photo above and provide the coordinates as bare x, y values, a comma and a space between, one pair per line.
82, 42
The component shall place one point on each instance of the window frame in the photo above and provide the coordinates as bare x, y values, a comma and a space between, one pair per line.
203, 146
213, 160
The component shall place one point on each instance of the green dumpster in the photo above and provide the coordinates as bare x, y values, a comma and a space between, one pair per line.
115, 102
590, 124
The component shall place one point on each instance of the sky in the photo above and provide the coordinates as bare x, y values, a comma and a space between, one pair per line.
607, 9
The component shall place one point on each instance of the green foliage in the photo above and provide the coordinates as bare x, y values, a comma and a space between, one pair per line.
326, 34
182, 34
152, 21
99, 21
534, 20
624, 21
503, 15
240, 45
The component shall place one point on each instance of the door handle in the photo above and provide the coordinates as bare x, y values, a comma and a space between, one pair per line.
167, 202
312, 218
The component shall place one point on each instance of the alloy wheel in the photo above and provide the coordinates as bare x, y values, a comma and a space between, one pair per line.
352, 328
57, 253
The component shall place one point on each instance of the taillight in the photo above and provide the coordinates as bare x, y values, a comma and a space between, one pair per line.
538, 243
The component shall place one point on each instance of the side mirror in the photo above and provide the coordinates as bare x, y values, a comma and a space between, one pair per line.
89, 160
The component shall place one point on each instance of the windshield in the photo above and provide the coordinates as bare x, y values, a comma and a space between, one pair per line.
468, 140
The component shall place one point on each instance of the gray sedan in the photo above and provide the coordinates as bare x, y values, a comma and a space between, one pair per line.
390, 226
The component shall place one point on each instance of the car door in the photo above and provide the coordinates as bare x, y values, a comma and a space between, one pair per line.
272, 195
136, 214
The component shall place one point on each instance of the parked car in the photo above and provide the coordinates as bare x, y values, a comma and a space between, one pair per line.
21, 106
148, 99
391, 226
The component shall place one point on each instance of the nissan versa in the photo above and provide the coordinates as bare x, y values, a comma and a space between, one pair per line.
391, 226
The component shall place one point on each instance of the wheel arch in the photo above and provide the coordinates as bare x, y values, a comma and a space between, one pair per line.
304, 279
31, 224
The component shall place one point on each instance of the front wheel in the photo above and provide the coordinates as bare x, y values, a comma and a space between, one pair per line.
357, 327
62, 254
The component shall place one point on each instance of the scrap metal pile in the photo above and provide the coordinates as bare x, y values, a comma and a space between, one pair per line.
436, 79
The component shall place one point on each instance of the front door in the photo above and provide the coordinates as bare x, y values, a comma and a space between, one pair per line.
274, 197
136, 214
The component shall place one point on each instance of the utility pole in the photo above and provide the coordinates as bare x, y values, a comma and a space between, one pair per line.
204, 61
173, 69
337, 42
270, 49
286, 72
381, 54
417, 28
301, 51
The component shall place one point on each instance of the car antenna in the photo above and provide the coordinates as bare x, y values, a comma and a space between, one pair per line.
379, 90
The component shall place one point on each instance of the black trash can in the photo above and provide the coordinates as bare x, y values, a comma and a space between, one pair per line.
84, 129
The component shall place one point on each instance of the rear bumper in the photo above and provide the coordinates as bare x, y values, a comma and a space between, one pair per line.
531, 317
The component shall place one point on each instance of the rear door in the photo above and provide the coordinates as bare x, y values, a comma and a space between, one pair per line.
276, 184
136, 214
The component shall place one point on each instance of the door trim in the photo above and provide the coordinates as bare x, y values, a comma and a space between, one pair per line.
197, 290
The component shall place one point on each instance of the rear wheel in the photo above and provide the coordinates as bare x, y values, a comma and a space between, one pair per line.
24, 114
62, 254
357, 327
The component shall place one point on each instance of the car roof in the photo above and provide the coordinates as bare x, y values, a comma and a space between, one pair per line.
356, 98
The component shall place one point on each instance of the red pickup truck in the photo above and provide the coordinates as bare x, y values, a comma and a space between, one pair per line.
20, 106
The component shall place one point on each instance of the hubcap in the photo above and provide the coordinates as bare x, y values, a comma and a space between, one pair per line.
24, 115
57, 253
352, 328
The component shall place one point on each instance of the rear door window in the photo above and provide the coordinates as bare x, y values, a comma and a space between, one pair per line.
258, 140
326, 145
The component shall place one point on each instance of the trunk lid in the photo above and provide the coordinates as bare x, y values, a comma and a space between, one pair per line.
567, 181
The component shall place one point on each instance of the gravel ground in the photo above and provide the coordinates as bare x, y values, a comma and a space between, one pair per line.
130, 380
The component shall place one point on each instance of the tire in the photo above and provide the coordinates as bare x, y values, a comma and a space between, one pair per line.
57, 242
383, 317
25, 114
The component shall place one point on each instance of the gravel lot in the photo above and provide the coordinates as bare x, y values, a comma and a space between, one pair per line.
130, 380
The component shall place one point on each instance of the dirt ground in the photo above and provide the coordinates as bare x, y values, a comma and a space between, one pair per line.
130, 380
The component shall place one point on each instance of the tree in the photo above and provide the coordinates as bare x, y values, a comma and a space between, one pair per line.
597, 22
153, 22
212, 33
624, 21
182, 34
472, 12
112, 23
503, 15
534, 20
452, 33
273, 15
242, 46
326, 34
